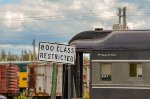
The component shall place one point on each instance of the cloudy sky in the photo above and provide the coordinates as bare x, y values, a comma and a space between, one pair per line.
58, 21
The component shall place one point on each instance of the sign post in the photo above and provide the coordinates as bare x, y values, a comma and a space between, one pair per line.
54, 81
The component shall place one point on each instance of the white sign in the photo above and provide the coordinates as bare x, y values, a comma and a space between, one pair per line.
56, 52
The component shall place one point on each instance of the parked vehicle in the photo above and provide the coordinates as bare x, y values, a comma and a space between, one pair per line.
22, 75
9, 79
119, 63
40, 79
2, 97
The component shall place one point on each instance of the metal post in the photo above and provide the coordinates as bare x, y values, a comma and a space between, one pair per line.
69, 82
124, 18
33, 43
119, 14
54, 81
74, 88
78, 74
65, 83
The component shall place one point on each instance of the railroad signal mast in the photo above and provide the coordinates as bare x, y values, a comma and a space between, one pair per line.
122, 15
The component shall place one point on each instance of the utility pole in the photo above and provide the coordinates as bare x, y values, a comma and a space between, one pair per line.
122, 16
33, 44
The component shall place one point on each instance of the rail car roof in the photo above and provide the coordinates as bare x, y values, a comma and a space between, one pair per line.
123, 40
93, 34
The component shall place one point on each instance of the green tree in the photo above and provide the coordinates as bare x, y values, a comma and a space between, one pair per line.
11, 57
3, 55
25, 55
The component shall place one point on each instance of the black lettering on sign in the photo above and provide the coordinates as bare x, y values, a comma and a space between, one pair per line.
56, 56
45, 55
71, 59
61, 49
65, 50
61, 57
51, 48
41, 55
72, 50
47, 47
52, 56
42, 47
65, 57
57, 48
68, 58
49, 56
68, 50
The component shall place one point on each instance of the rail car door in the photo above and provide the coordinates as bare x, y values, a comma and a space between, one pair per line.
80, 76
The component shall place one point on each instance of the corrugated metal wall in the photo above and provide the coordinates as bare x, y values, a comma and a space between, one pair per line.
43, 73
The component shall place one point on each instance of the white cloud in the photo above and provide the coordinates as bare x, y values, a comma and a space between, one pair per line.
14, 20
136, 25
28, 10
104, 10
17, 15
76, 5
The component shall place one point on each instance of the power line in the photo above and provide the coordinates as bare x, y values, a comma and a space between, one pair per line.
59, 17
40, 36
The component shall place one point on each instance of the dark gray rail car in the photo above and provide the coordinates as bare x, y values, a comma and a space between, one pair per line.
120, 64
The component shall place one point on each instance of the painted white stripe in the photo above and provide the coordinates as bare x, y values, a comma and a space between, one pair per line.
120, 60
122, 87
5, 62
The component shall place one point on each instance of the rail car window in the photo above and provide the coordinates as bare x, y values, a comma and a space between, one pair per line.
105, 70
24, 78
135, 70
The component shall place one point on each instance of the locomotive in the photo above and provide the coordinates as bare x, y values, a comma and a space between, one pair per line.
13, 78
9, 79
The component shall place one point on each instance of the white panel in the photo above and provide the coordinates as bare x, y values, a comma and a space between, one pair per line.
59, 80
48, 81
121, 61
40, 79
88, 76
44, 78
